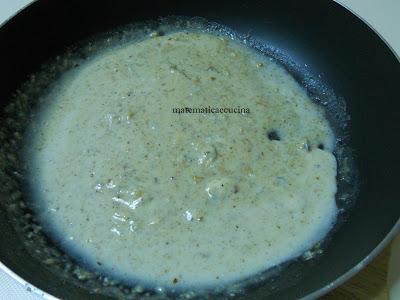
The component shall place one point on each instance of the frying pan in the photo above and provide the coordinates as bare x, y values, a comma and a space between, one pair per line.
326, 39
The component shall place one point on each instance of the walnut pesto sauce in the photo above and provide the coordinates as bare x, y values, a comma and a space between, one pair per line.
180, 200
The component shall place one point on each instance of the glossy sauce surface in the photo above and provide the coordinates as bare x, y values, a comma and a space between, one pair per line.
170, 199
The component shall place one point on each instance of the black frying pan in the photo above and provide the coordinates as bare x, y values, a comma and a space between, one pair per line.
353, 60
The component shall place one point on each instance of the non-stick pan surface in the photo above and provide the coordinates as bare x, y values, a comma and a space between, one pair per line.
320, 35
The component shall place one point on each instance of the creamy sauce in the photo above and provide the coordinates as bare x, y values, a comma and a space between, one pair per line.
179, 200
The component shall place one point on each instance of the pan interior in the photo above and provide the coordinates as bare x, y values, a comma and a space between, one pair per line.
26, 102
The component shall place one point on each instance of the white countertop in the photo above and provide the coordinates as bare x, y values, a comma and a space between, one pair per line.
382, 15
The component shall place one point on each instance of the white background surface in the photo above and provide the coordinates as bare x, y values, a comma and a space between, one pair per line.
383, 15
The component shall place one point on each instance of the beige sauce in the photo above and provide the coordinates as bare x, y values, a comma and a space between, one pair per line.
183, 199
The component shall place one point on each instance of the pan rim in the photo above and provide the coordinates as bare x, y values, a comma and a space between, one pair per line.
395, 229
317, 293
